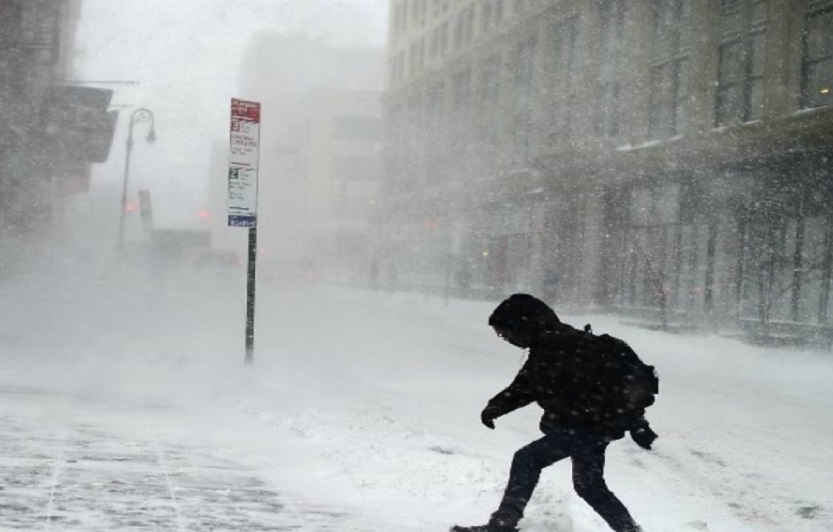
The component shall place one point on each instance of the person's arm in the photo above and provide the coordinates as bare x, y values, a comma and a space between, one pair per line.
516, 395
642, 434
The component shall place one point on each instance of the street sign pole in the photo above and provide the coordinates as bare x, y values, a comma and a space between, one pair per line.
250, 297
244, 162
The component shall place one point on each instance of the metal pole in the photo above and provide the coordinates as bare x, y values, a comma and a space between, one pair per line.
124, 184
139, 115
250, 297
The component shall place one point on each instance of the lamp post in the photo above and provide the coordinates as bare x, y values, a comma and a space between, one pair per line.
138, 116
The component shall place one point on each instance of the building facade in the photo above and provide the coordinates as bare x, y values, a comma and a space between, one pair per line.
33, 56
51, 131
665, 157
320, 152
333, 147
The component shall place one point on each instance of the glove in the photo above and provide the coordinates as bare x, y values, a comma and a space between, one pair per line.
488, 416
643, 436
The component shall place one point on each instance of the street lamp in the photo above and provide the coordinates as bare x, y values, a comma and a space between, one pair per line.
138, 116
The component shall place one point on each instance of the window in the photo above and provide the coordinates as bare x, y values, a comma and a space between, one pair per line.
613, 31
562, 65
435, 107
400, 19
490, 92
414, 138
468, 17
462, 90
486, 15
413, 58
741, 65
491, 80
416, 57
613, 14
398, 73
464, 27
669, 67
395, 69
564, 49
498, 11
670, 26
11, 21
524, 74
459, 26
358, 128
817, 62
396, 134
668, 84
444, 38
459, 126
649, 255
524, 98
609, 100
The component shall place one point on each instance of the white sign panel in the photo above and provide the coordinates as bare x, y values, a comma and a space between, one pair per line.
243, 163
242, 190
244, 143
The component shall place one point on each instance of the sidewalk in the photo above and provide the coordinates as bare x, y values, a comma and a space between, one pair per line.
70, 464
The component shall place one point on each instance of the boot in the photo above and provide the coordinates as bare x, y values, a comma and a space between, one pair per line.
493, 526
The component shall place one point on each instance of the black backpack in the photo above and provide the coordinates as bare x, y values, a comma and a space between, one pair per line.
632, 384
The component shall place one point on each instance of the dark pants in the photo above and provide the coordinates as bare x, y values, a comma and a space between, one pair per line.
588, 455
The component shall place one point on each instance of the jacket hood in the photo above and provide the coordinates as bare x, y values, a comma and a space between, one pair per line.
524, 313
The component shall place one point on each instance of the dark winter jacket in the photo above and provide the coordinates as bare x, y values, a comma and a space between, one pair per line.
564, 377
563, 374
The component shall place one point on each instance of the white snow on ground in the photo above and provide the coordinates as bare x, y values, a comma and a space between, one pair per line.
367, 404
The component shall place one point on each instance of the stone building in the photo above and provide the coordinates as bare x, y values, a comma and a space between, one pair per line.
665, 157
51, 131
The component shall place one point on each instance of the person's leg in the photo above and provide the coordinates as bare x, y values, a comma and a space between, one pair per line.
589, 483
525, 472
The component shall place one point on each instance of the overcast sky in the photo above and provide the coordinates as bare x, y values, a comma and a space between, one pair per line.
186, 54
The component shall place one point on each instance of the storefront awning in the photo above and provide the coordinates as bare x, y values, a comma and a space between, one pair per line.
80, 126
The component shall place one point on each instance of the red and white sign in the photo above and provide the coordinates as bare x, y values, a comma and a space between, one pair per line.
244, 158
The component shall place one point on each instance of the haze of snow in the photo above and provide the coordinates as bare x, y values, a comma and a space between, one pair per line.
186, 56
369, 401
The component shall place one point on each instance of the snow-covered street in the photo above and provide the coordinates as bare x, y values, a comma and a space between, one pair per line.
71, 464
362, 413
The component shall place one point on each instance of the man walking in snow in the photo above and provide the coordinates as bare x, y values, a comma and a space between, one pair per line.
562, 374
